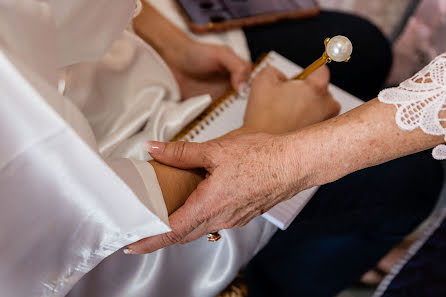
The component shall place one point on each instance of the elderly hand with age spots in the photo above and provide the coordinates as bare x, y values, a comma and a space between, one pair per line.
247, 175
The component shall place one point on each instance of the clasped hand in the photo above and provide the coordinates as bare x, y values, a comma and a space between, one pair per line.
251, 169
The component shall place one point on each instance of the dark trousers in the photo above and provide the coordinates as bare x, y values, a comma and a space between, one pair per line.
349, 224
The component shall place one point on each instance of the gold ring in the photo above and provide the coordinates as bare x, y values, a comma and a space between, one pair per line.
214, 237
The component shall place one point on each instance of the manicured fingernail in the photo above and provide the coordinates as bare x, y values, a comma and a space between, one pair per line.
155, 147
243, 88
128, 251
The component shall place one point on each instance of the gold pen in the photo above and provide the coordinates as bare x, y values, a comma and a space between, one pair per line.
338, 48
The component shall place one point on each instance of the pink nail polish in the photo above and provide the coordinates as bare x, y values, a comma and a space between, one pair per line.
155, 147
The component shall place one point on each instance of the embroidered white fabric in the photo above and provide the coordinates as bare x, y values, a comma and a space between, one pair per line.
421, 102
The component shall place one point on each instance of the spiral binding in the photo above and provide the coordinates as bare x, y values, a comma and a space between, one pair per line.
213, 111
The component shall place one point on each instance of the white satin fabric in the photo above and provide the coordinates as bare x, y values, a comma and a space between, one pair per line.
71, 119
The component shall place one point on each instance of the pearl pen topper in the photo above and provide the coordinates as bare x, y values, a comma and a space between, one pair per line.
338, 49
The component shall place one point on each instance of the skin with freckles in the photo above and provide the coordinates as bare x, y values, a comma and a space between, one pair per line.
241, 185
213, 206
361, 138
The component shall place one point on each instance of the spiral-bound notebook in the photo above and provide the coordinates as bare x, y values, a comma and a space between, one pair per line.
226, 114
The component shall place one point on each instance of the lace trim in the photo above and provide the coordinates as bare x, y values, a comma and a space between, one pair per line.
421, 102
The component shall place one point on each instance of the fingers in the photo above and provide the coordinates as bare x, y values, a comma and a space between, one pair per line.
239, 69
270, 75
319, 79
152, 244
182, 222
185, 155
197, 233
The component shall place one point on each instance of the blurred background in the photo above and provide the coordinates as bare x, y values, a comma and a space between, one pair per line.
417, 30
415, 27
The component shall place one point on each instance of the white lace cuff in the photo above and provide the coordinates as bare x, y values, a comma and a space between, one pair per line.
421, 102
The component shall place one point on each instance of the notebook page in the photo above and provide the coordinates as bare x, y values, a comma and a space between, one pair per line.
229, 116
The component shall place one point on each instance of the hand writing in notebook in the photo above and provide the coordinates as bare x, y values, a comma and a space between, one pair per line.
275, 106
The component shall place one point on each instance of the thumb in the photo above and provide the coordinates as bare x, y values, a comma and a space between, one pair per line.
182, 222
185, 155
320, 79
239, 69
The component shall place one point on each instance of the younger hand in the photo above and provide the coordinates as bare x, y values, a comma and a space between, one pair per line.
278, 105
208, 69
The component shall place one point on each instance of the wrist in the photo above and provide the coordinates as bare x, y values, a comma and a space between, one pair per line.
303, 165
176, 184
167, 39
319, 156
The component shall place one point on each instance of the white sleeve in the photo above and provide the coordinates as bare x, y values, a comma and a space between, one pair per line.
62, 208
420, 102
141, 178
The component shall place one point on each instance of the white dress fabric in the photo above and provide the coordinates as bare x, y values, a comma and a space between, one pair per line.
421, 102
79, 96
